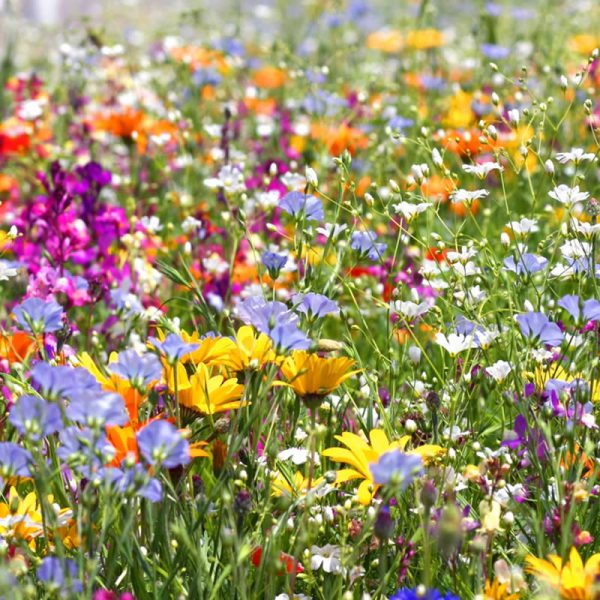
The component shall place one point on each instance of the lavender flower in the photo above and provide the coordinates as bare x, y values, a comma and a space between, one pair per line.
314, 305
419, 594
86, 450
34, 417
138, 370
288, 336
39, 316
173, 347
297, 203
136, 481
537, 326
396, 468
161, 443
364, 243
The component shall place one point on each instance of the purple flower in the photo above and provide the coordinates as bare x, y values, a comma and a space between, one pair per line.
572, 304
35, 417
39, 316
364, 243
274, 262
495, 51
526, 264
287, 336
62, 381
138, 370
173, 347
60, 572
315, 305
161, 443
537, 326
396, 468
14, 460
97, 408
297, 203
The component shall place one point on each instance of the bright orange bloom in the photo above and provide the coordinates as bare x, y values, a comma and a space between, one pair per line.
269, 78
16, 347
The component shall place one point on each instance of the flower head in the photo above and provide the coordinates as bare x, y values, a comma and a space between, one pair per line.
397, 468
537, 326
160, 443
364, 243
39, 316
34, 417
297, 203
173, 347
139, 370
314, 305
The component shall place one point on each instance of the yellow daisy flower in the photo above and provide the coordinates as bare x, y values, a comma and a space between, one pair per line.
573, 579
359, 454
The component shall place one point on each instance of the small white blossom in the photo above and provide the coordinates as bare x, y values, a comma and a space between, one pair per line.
576, 155
568, 196
499, 370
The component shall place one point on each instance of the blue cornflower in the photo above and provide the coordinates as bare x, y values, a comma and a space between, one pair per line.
315, 305
138, 370
85, 450
136, 481
526, 264
39, 316
35, 417
97, 408
572, 304
161, 443
274, 262
364, 243
62, 381
61, 572
173, 347
418, 593
397, 468
536, 325
296, 203
14, 460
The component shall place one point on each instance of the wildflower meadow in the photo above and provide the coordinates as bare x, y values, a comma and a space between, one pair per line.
300, 300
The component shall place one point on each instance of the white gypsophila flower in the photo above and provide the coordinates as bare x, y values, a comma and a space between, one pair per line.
409, 210
514, 116
293, 181
8, 270
568, 196
151, 224
576, 249
268, 200
30, 110
311, 177
215, 264
523, 227
230, 179
190, 224
467, 269
436, 157
499, 370
468, 196
472, 295
577, 155
482, 170
485, 337
462, 256
455, 342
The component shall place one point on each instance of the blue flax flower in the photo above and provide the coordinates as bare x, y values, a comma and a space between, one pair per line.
315, 305
85, 450
35, 417
421, 594
62, 381
297, 203
526, 264
364, 243
161, 443
590, 309
39, 316
136, 481
537, 326
97, 408
14, 460
173, 347
274, 262
138, 370
61, 573
396, 467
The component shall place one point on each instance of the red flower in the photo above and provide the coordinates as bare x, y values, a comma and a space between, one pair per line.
287, 560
